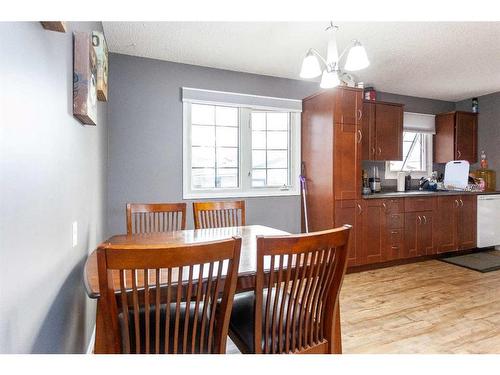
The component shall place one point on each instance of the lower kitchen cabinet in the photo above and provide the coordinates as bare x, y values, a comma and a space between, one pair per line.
467, 222
350, 212
418, 234
403, 228
373, 231
455, 223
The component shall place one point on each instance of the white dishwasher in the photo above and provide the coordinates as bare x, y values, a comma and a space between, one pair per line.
488, 220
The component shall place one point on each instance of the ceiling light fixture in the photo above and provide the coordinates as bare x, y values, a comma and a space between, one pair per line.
315, 65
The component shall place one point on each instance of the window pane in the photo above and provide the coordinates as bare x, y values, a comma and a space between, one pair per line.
227, 116
258, 140
258, 121
259, 177
203, 157
277, 140
227, 157
415, 160
202, 114
277, 121
227, 178
226, 136
277, 159
258, 158
203, 178
203, 135
277, 177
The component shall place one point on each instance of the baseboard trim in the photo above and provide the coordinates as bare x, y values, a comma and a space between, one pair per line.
423, 258
90, 348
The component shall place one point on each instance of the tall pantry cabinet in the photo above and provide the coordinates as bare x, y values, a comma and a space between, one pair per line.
331, 154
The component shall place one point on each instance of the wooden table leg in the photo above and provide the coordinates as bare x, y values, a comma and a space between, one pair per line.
100, 342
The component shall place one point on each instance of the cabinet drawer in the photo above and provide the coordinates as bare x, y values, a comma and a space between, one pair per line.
395, 237
394, 205
420, 204
395, 221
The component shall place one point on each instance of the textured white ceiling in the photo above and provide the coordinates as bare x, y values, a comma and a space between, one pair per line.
442, 60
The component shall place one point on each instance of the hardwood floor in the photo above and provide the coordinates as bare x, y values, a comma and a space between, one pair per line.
427, 307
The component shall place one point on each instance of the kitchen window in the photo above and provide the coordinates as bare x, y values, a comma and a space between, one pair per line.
417, 147
239, 145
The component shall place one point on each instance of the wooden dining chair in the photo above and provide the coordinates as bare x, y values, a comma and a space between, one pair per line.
218, 214
155, 217
293, 309
164, 299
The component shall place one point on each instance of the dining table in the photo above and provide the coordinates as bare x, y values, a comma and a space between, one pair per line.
246, 270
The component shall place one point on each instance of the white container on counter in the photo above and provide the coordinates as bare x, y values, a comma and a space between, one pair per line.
401, 181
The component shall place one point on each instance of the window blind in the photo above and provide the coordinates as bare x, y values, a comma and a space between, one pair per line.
193, 95
419, 123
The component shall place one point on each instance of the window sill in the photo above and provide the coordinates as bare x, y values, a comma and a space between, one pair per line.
241, 194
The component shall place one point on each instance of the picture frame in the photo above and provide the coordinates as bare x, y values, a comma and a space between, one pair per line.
84, 79
101, 51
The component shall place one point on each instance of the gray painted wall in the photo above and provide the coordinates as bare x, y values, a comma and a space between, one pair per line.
53, 172
488, 129
145, 132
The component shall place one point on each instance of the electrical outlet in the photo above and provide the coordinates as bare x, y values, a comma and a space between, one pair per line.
75, 233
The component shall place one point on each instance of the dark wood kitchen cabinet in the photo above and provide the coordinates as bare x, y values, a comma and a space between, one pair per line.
467, 222
373, 231
456, 137
350, 212
382, 130
418, 228
331, 152
455, 223
418, 234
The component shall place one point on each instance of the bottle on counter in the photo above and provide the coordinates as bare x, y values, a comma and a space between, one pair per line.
484, 161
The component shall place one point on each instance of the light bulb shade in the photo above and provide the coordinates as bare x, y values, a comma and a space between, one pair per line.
357, 58
332, 55
329, 80
310, 66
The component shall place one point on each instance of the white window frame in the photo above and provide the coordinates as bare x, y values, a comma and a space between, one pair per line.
390, 175
244, 188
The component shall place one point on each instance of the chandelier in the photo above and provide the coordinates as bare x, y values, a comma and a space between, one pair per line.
315, 65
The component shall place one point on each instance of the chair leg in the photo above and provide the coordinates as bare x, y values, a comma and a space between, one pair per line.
337, 339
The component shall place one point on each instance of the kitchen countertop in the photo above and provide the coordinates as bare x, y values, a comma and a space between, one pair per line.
422, 193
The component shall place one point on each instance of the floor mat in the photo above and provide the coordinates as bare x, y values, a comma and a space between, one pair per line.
482, 262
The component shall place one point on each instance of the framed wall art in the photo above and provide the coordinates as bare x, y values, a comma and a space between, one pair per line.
101, 51
84, 79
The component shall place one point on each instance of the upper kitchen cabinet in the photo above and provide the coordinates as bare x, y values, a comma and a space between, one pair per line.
382, 129
456, 137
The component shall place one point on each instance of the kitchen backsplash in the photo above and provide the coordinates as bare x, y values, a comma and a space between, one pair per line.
391, 183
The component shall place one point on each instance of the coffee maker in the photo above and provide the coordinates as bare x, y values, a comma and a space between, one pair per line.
374, 181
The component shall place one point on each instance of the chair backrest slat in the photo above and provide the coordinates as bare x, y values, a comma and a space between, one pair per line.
155, 217
166, 301
300, 277
218, 214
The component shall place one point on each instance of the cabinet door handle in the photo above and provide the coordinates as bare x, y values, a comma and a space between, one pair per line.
384, 205
461, 203
360, 209
419, 220
456, 203
425, 219
379, 150
373, 151
360, 114
360, 136
459, 154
